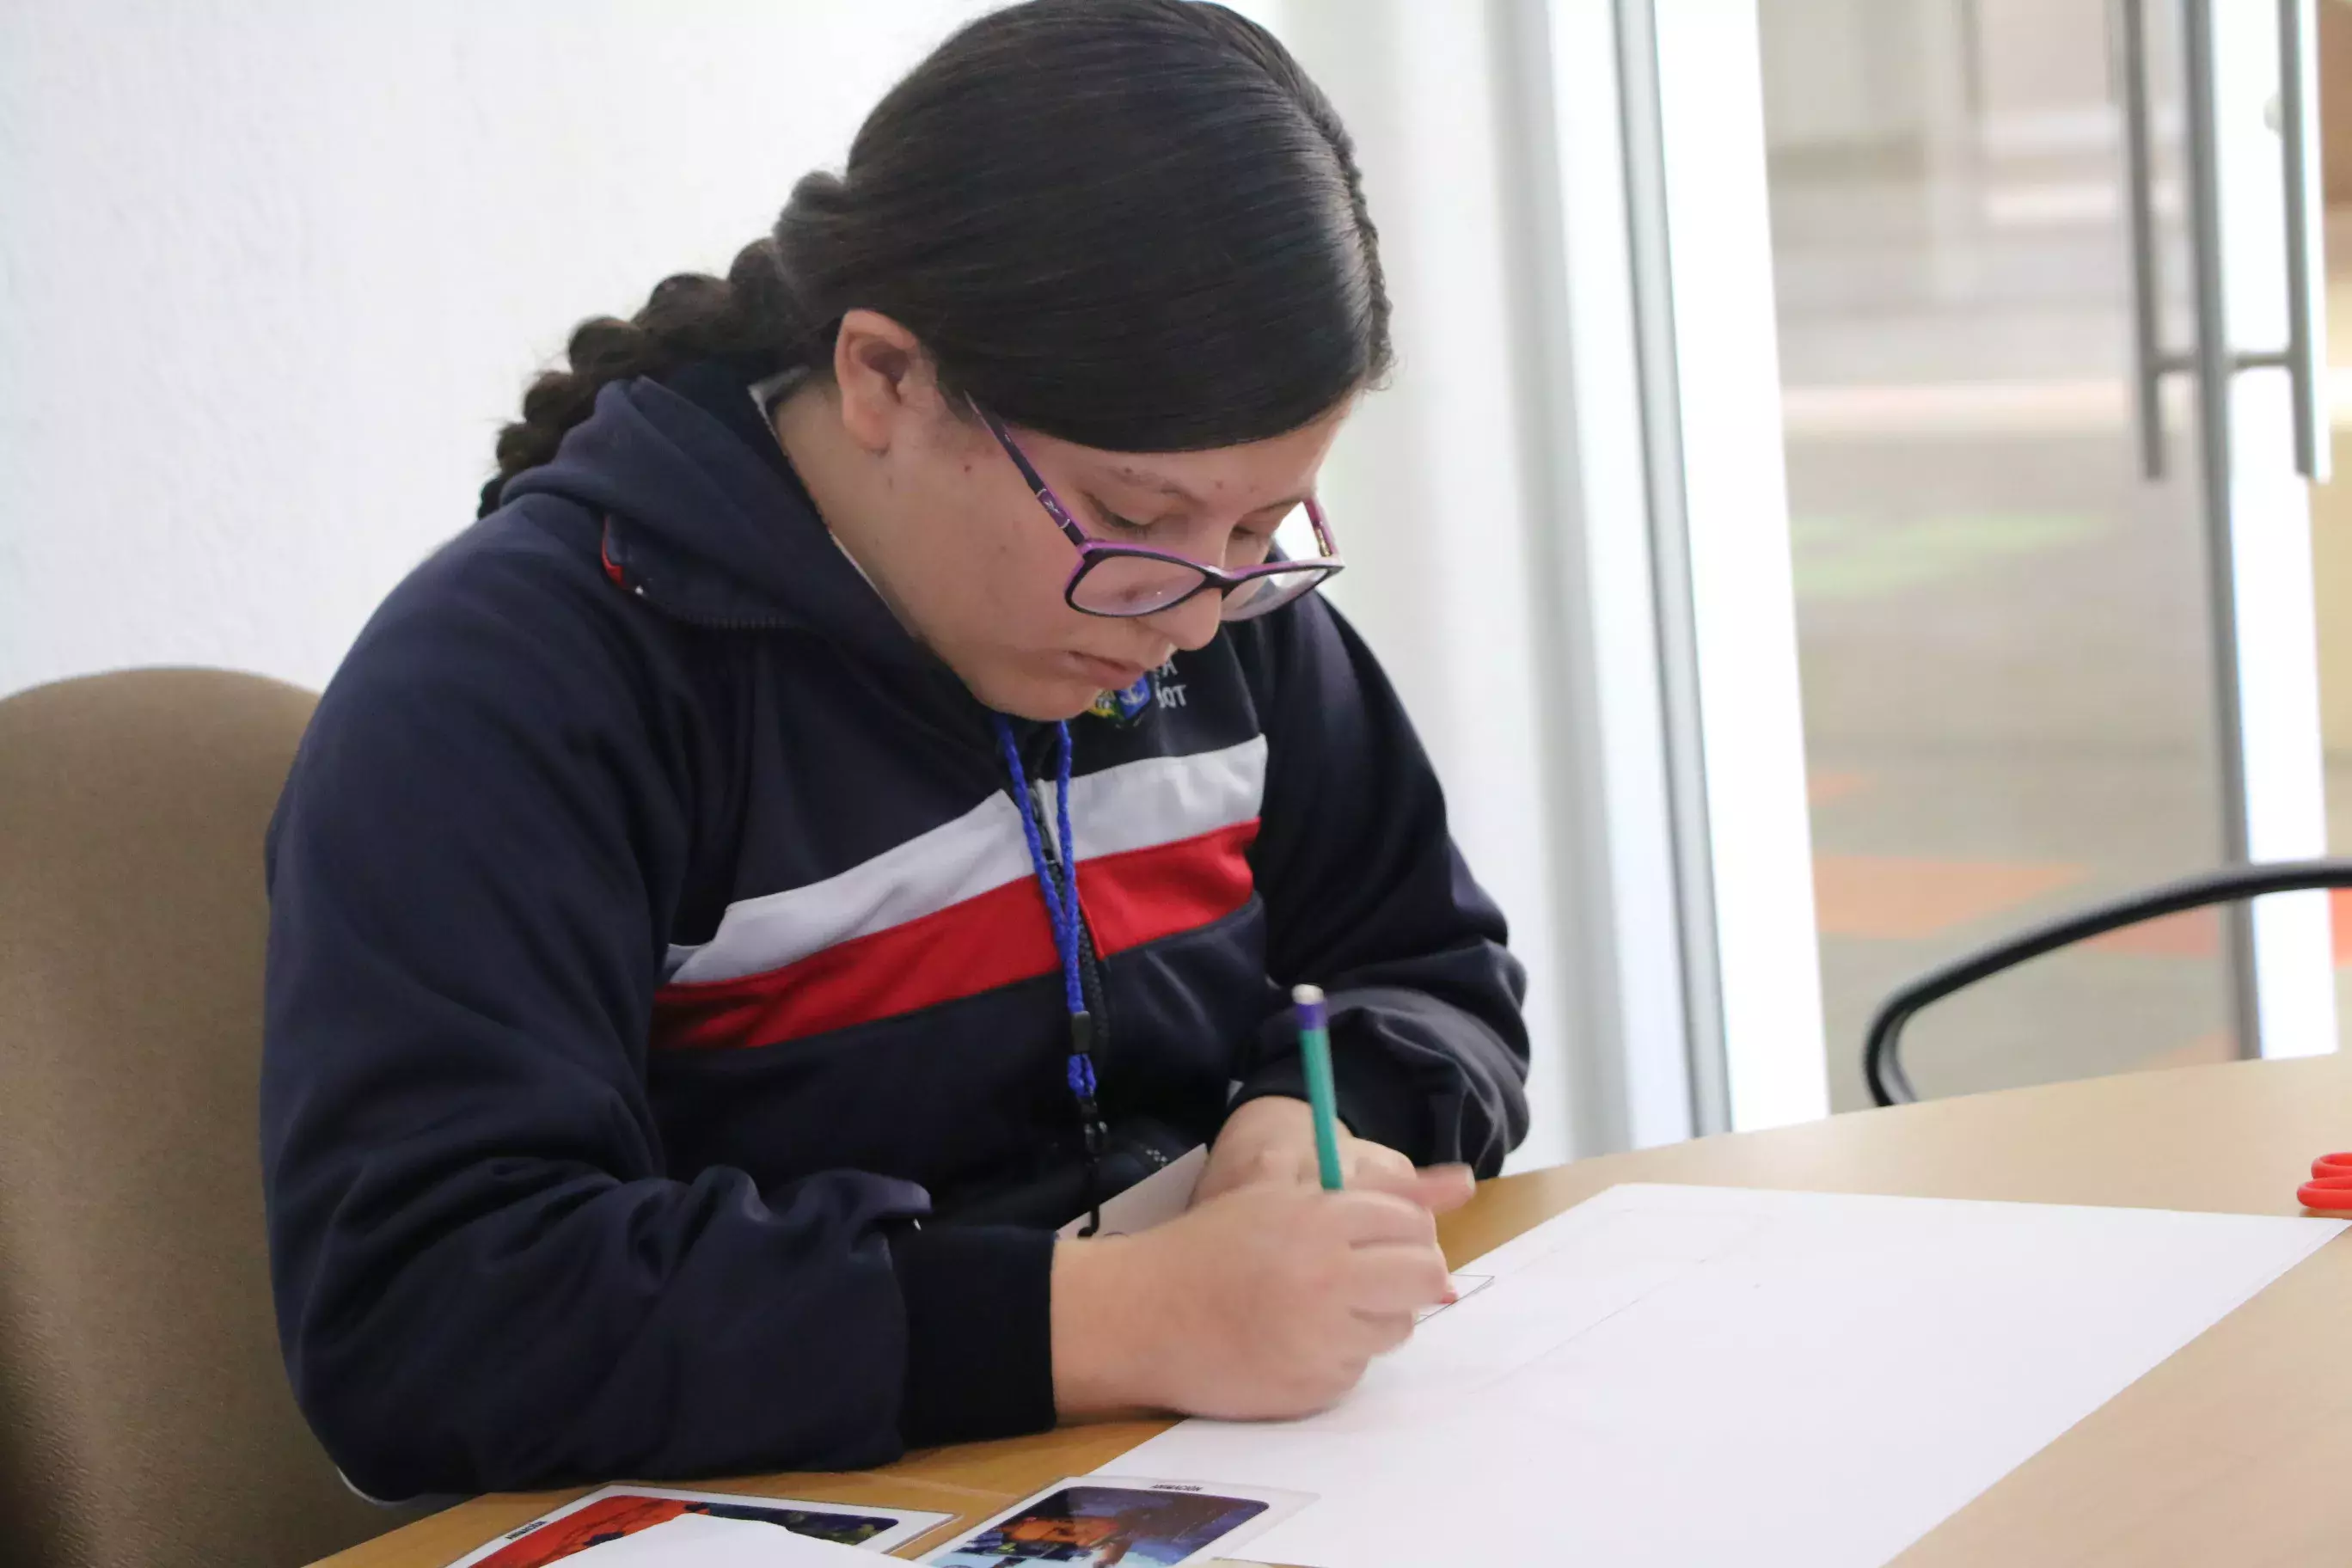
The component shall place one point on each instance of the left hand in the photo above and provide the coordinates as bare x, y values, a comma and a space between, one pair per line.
1272, 1139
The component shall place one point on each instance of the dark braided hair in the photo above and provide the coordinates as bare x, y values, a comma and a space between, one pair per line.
1134, 225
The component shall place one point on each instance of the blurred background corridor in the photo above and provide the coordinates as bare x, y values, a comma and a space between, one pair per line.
2003, 632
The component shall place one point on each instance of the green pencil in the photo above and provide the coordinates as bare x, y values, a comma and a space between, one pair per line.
1315, 1051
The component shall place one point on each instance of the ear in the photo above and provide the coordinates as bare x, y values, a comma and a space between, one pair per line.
885, 379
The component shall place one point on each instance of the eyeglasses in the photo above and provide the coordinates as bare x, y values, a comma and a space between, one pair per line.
1128, 580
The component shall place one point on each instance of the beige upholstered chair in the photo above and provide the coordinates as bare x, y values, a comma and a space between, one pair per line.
144, 1415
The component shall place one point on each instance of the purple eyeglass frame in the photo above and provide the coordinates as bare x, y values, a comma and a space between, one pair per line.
1092, 551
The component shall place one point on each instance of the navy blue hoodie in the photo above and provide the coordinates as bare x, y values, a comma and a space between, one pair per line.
660, 999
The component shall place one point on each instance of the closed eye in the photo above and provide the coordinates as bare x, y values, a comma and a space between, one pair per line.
1113, 523
1245, 546
1248, 548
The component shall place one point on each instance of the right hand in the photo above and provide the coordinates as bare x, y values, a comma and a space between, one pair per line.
1268, 1301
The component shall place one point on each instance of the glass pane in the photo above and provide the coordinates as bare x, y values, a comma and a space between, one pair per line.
2331, 504
2003, 627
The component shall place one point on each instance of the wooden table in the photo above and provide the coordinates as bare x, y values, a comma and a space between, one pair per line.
2237, 1450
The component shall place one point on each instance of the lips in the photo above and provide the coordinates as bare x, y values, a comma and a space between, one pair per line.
1111, 674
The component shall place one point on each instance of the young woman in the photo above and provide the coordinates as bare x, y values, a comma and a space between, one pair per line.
858, 796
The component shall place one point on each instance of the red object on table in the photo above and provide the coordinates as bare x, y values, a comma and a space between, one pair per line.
2330, 1186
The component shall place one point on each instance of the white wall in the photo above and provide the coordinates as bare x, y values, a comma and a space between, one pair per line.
1427, 491
272, 273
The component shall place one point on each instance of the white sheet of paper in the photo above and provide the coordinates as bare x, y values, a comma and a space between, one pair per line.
1683, 1375
1155, 1200
699, 1540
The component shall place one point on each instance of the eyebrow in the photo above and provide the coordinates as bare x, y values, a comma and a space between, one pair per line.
1168, 487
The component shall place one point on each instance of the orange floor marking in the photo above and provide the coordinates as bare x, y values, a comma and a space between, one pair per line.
1894, 898
2192, 933
1821, 788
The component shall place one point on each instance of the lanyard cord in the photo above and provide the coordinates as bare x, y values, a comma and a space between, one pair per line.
1062, 913
1062, 901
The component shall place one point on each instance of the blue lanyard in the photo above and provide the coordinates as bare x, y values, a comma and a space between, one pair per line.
1062, 911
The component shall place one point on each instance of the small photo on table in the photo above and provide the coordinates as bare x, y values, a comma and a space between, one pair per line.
621, 1521
1104, 1520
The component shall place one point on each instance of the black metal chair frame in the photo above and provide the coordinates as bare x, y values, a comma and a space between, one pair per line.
1881, 1060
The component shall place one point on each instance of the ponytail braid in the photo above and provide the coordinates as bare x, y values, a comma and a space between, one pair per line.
749, 318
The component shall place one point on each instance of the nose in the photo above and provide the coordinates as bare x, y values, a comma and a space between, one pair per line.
1190, 624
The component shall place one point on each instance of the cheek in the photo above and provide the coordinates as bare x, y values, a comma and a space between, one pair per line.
1000, 579
1026, 562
